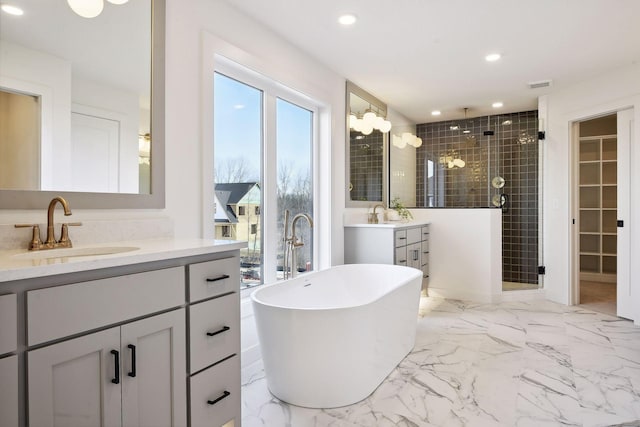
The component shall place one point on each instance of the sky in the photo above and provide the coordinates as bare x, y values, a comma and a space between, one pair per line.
238, 126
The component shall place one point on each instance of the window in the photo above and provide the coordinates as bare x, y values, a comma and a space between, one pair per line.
226, 231
263, 152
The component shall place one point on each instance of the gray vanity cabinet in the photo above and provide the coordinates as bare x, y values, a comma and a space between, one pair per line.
402, 244
148, 344
8, 361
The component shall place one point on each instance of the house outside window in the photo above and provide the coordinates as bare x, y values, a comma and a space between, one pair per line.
226, 231
241, 211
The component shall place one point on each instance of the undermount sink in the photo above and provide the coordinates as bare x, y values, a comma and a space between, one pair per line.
74, 252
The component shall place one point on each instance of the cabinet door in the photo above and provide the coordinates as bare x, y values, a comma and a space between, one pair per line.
154, 371
76, 383
401, 256
9, 391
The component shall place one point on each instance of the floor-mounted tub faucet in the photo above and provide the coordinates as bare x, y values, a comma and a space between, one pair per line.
291, 242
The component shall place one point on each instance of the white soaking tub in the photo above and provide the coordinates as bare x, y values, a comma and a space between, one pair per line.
329, 338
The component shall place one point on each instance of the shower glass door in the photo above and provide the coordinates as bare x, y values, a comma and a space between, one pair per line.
515, 186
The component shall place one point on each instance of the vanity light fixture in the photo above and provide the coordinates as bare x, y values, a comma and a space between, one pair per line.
407, 138
12, 10
492, 57
347, 19
370, 120
90, 8
497, 104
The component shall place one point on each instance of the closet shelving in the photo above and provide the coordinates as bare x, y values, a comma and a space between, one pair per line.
598, 207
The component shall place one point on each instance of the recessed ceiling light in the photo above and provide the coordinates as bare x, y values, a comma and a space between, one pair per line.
466, 131
12, 10
348, 19
497, 104
492, 57
506, 122
436, 113
455, 127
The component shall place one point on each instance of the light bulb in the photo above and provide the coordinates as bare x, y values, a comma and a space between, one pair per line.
366, 128
450, 165
352, 120
357, 125
117, 1
459, 163
86, 8
385, 127
378, 122
418, 142
369, 117
396, 140
406, 138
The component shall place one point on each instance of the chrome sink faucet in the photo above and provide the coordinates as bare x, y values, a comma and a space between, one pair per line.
51, 242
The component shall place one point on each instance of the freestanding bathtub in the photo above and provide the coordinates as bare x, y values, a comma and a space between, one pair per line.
329, 338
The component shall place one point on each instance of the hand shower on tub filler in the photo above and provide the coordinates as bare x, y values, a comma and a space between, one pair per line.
291, 242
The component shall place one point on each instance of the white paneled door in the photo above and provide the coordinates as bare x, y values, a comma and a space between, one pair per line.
625, 140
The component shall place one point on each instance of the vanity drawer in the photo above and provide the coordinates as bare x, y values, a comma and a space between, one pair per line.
212, 278
401, 256
221, 317
425, 250
8, 323
401, 238
70, 309
425, 232
414, 235
211, 385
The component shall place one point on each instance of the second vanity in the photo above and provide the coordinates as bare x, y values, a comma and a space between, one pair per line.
150, 336
389, 243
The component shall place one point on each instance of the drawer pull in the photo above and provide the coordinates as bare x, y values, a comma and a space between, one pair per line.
224, 329
116, 375
132, 373
215, 279
403, 260
402, 238
224, 395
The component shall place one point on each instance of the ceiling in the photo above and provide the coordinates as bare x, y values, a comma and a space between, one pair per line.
425, 55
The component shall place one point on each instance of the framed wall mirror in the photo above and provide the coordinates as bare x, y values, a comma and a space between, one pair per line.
82, 105
366, 148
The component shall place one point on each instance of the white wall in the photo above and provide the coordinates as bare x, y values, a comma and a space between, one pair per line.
603, 94
465, 253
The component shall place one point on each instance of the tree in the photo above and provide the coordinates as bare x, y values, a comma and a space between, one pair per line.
234, 169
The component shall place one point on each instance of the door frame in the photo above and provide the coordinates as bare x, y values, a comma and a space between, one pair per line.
574, 197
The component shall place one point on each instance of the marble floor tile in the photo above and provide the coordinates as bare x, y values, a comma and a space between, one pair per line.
510, 364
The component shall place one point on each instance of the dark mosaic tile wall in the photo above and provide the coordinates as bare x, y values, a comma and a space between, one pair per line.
512, 153
366, 161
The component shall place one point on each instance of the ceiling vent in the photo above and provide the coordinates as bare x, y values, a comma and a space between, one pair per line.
539, 84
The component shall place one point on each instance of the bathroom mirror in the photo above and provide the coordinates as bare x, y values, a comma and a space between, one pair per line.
366, 155
94, 90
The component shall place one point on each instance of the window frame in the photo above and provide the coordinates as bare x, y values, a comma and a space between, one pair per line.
271, 91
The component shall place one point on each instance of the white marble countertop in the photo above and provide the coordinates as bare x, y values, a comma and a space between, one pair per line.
13, 265
389, 224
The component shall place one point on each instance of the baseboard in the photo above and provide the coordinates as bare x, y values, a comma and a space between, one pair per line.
598, 277
525, 295
465, 296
